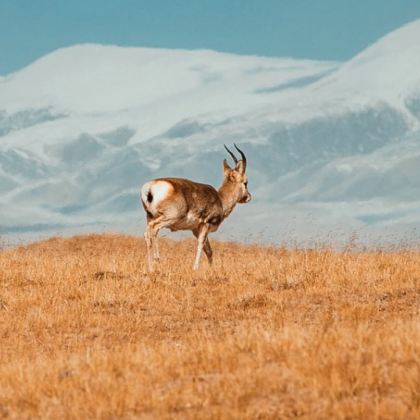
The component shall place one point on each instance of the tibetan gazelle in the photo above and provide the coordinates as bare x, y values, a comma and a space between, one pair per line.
181, 204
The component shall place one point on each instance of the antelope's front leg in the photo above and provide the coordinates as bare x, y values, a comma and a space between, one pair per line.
208, 251
201, 240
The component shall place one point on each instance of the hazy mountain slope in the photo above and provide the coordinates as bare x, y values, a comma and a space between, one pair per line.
82, 127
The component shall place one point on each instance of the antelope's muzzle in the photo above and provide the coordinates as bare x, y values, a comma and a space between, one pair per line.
246, 199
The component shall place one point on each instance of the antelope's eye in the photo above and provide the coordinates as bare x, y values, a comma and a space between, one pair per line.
246, 183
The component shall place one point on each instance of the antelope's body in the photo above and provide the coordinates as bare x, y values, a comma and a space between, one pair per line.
170, 200
181, 204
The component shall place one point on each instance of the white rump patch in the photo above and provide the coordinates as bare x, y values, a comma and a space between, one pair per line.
159, 190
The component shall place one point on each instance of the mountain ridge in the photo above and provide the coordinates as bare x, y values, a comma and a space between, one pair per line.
76, 144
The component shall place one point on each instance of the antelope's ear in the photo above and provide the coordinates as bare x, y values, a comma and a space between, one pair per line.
226, 167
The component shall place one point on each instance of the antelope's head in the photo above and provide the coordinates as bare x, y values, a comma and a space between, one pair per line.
236, 177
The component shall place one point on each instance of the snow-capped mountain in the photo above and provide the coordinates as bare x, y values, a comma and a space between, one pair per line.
331, 146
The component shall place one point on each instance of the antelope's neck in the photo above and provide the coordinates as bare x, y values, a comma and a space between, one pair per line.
228, 197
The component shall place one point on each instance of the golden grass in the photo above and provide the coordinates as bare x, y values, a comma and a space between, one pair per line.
86, 332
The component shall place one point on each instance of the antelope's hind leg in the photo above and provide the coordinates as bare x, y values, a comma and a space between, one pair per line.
150, 235
149, 244
153, 228
156, 255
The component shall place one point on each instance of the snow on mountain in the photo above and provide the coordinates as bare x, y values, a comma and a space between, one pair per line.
331, 145
388, 69
92, 79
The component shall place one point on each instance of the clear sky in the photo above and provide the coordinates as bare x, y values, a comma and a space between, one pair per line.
323, 29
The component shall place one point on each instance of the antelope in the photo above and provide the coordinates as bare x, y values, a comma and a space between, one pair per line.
181, 204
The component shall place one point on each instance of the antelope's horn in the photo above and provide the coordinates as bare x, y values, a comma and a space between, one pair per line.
242, 155
233, 156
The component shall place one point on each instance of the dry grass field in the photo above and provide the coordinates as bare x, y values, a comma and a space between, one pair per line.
86, 332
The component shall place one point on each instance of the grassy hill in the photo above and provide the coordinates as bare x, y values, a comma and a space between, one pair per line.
267, 332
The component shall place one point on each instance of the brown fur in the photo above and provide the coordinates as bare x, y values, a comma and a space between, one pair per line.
191, 199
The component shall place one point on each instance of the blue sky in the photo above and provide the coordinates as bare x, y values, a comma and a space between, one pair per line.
323, 29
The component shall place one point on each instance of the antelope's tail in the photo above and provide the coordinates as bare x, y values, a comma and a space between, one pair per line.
147, 196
